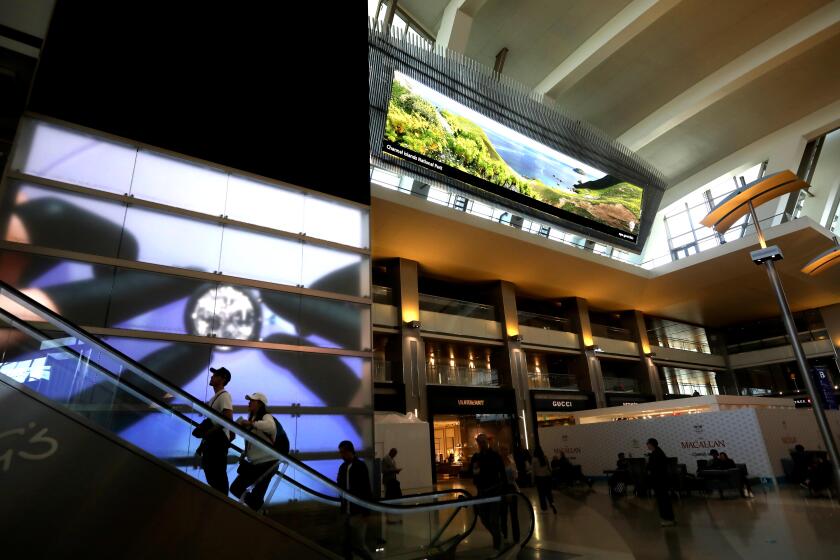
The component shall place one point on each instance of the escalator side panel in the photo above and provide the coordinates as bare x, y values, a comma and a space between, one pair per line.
71, 490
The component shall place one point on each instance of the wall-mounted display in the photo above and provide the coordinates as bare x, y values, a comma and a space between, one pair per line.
429, 129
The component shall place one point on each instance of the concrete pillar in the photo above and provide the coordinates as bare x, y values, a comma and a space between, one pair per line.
456, 23
587, 369
413, 349
650, 373
514, 373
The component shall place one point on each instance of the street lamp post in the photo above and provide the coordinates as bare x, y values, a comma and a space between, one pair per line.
721, 218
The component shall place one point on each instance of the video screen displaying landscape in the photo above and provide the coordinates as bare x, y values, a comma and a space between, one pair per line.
436, 132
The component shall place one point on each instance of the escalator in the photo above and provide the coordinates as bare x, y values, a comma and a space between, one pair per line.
87, 467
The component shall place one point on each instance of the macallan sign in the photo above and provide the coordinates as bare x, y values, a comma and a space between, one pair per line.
703, 444
470, 402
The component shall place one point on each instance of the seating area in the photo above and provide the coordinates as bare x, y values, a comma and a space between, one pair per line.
681, 483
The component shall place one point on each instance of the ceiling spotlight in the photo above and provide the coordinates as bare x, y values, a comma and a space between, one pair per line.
413, 324
516, 337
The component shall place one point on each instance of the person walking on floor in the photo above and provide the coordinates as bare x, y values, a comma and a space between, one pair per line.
488, 472
510, 505
542, 476
214, 445
389, 479
353, 477
255, 463
657, 468
389, 475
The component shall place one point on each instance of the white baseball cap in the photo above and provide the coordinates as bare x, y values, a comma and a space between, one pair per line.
257, 397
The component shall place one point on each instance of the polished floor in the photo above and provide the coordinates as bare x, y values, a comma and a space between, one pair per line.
589, 525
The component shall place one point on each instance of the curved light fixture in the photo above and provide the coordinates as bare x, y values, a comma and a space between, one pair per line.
823, 261
737, 205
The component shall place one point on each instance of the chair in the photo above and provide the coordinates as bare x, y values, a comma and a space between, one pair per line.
637, 471
722, 479
789, 468
677, 478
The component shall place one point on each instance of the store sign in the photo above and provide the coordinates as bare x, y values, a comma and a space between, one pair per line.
802, 402
823, 382
470, 400
560, 402
621, 400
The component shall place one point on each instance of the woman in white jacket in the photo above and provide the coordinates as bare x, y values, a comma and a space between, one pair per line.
256, 462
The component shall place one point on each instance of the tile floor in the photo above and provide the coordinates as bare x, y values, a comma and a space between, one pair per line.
781, 524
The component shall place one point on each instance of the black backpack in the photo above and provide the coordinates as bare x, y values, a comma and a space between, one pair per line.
281, 440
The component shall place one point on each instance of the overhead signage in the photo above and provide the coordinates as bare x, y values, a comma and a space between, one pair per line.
429, 129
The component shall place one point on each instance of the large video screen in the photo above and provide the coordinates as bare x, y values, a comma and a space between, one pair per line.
426, 127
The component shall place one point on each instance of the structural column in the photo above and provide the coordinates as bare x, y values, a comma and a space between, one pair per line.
514, 373
587, 368
413, 349
637, 325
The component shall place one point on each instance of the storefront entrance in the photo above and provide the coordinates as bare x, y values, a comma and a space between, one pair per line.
454, 439
457, 415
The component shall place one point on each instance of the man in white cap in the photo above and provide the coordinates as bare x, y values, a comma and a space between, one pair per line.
215, 443
256, 462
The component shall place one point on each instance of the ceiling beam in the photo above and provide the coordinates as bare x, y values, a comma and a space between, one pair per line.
775, 51
456, 24
626, 24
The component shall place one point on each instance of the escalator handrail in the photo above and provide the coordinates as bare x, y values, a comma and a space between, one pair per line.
140, 394
198, 406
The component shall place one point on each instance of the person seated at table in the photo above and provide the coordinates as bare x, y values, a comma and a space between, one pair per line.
743, 478
819, 475
713, 463
622, 464
569, 473
800, 463
618, 479
724, 462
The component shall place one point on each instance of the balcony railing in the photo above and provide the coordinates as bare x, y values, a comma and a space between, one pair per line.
449, 375
683, 344
562, 381
776, 341
382, 371
382, 294
616, 333
457, 307
621, 385
547, 322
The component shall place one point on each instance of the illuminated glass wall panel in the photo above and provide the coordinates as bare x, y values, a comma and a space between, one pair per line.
183, 266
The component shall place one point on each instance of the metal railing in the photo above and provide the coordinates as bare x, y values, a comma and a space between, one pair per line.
682, 244
547, 322
140, 374
682, 344
382, 294
463, 202
457, 307
621, 385
382, 371
616, 333
699, 239
563, 381
776, 341
456, 375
